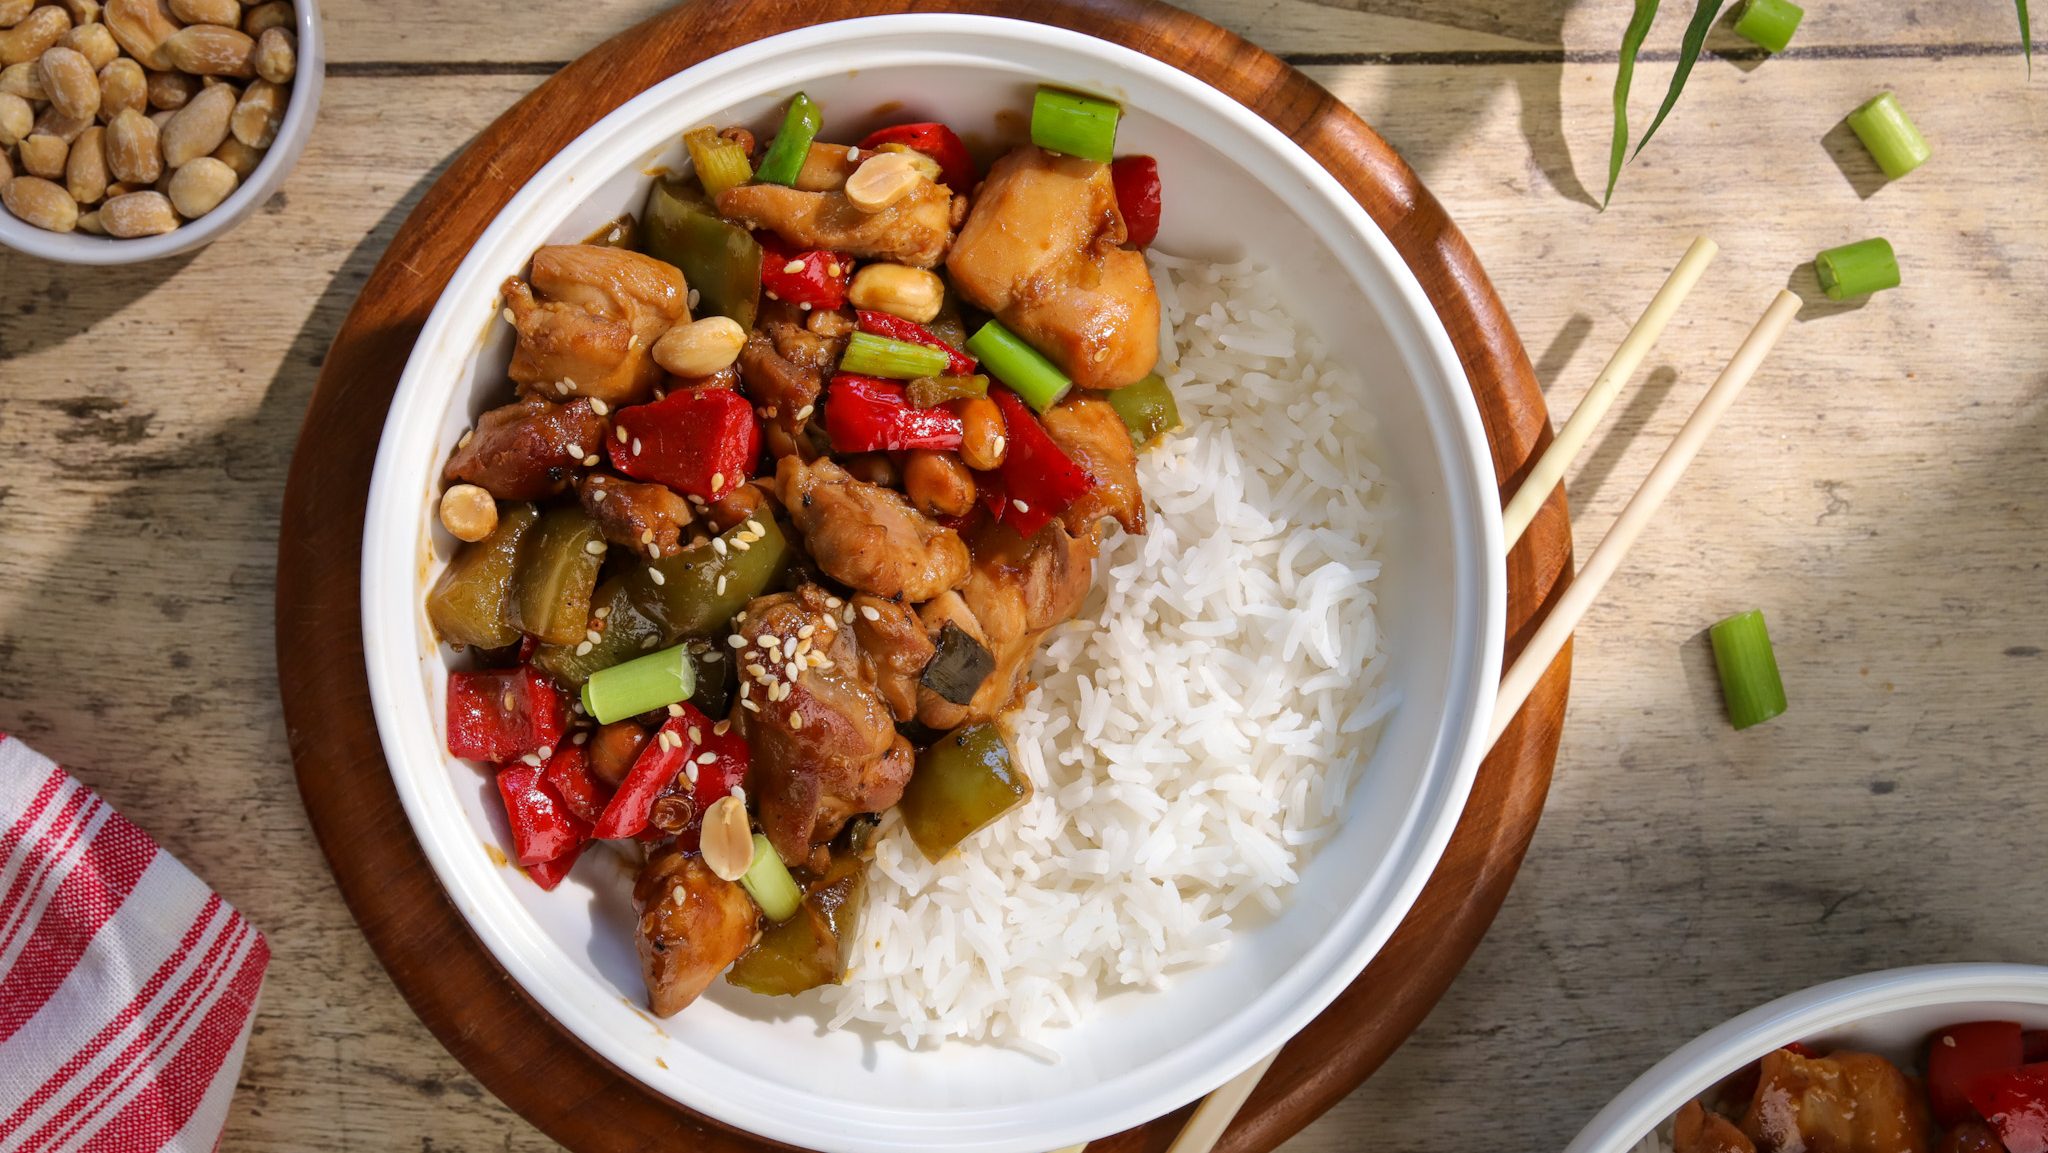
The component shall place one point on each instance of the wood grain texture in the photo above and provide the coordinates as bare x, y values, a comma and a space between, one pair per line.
1878, 493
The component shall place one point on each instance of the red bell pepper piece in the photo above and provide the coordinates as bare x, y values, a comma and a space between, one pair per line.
666, 756
702, 442
1038, 480
1136, 179
817, 277
2015, 1101
718, 778
2034, 1043
956, 167
503, 714
570, 773
543, 827
548, 874
910, 331
869, 414
1958, 1055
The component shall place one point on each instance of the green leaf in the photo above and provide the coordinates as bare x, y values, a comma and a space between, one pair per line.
1631, 43
2026, 35
1703, 14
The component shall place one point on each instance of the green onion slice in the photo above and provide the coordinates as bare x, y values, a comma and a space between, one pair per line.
1769, 24
768, 881
927, 391
1749, 670
785, 157
1894, 142
1631, 43
1078, 125
1028, 373
870, 355
1857, 269
721, 163
1147, 408
654, 681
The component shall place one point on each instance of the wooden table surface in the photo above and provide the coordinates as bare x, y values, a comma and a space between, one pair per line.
1881, 492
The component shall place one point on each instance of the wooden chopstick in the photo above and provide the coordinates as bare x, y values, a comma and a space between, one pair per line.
1214, 1114
1599, 398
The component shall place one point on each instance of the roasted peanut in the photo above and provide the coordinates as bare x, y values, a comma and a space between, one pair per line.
6, 167
227, 13
938, 483
122, 86
210, 50
119, 189
470, 513
198, 128
263, 17
12, 12
85, 170
161, 117
63, 127
138, 214
200, 186
90, 222
44, 155
899, 290
92, 41
24, 80
16, 120
983, 442
141, 27
728, 842
882, 179
258, 114
276, 57
83, 12
700, 347
41, 203
71, 81
238, 156
134, 152
172, 90
35, 35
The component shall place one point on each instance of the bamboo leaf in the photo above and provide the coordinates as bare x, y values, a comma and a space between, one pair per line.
1703, 14
2026, 35
1631, 43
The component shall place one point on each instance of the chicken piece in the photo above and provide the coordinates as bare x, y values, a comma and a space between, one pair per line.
1092, 433
1043, 250
588, 317
826, 167
1845, 1102
915, 230
869, 537
646, 518
529, 450
727, 378
1695, 1130
740, 505
893, 650
693, 926
785, 365
1015, 591
824, 742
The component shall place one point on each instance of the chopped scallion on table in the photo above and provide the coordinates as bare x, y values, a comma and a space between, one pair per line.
1748, 668
871, 355
768, 881
721, 163
1078, 125
1768, 24
785, 157
1857, 269
654, 681
1026, 370
1894, 142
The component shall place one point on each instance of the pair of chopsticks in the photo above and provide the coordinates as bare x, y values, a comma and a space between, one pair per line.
1214, 1114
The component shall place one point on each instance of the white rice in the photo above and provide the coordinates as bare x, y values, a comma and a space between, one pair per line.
1193, 733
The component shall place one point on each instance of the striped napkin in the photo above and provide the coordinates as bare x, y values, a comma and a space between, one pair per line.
127, 987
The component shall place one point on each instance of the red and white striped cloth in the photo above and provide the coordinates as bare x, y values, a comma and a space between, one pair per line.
127, 987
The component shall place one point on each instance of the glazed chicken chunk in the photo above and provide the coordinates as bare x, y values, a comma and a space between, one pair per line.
692, 927
1092, 433
785, 365
588, 317
1015, 591
914, 230
1042, 248
529, 450
1843, 1103
1695, 1130
646, 518
869, 537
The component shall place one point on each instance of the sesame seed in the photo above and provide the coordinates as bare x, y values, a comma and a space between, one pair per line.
650, 641
646, 536
741, 544
530, 760
594, 548
756, 670
597, 495
869, 612
562, 387
803, 306
718, 545
507, 314
833, 602
754, 526
636, 446
468, 434
717, 481
807, 632
579, 738
722, 728
721, 584
590, 461
746, 690
833, 269
997, 445
602, 612
621, 430
1020, 506
803, 646
712, 657
696, 735
592, 635
804, 413
654, 551
792, 670
852, 154
574, 450
737, 641
772, 296
793, 266
693, 298
706, 758
599, 407
747, 704
654, 574
849, 614
506, 701
1102, 354
796, 720
546, 752
690, 774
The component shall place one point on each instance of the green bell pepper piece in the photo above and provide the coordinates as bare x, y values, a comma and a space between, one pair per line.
718, 259
1147, 408
962, 783
471, 603
557, 574
699, 590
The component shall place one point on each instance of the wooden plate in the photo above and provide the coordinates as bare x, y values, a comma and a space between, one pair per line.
445, 973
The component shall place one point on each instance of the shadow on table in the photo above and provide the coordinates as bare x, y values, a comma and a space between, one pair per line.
75, 299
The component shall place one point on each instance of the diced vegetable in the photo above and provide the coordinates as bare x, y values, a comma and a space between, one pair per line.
1894, 142
548, 874
713, 694
958, 667
1857, 269
502, 715
1147, 407
1017, 364
1768, 24
623, 632
672, 751
767, 880
640, 685
785, 157
871, 355
623, 232
721, 163
697, 592
1749, 669
702, 442
956, 167
580, 787
817, 277
1958, 1055
558, 563
2015, 1101
471, 604
805, 951
909, 331
864, 414
1038, 480
961, 784
543, 828
2036, 1045
927, 391
716, 779
1137, 197
1078, 125
720, 261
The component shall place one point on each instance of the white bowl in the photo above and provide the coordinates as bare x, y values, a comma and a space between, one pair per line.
1889, 1013
1232, 183
251, 194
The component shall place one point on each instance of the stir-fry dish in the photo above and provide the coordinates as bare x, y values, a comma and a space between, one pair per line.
1984, 1090
801, 464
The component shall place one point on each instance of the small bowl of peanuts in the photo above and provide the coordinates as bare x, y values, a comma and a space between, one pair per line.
137, 129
